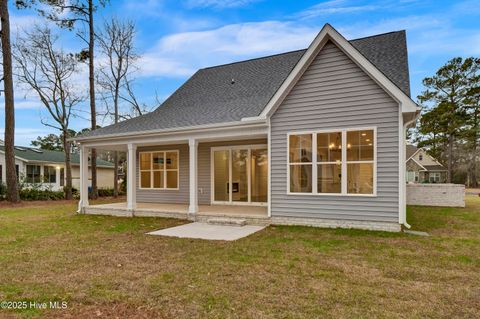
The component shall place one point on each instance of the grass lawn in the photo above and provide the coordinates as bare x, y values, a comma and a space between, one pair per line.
106, 267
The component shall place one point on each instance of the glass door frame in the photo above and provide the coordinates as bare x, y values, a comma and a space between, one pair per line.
249, 148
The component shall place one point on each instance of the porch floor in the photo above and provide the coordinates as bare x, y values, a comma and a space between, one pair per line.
220, 210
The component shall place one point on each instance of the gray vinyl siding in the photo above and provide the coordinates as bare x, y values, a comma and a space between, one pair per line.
180, 196
204, 165
334, 93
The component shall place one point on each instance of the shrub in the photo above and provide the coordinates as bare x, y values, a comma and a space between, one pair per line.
40, 194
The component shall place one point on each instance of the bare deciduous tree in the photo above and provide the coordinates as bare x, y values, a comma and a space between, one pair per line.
67, 14
48, 72
12, 187
116, 45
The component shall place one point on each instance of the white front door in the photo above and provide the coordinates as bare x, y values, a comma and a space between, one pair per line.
240, 175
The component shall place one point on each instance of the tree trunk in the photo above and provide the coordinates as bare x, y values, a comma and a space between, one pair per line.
11, 178
473, 166
68, 166
450, 159
93, 111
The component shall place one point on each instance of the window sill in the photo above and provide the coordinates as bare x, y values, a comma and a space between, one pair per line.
331, 194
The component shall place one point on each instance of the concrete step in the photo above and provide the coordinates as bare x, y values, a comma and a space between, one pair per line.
227, 221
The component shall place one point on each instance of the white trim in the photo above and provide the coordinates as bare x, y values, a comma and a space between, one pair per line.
164, 170
402, 185
269, 171
83, 202
327, 33
131, 177
249, 148
193, 175
197, 130
344, 162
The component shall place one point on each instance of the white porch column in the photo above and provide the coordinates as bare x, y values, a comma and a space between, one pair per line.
131, 177
83, 179
192, 151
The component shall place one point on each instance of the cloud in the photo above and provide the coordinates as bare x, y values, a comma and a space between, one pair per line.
180, 54
333, 7
23, 22
23, 136
220, 4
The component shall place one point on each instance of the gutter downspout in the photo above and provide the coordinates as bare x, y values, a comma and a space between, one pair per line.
404, 211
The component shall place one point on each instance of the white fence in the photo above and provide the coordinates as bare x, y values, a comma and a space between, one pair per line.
450, 195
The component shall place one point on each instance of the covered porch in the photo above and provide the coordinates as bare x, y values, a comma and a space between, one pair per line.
220, 174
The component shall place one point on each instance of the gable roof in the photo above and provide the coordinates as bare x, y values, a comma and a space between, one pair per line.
31, 154
410, 150
231, 92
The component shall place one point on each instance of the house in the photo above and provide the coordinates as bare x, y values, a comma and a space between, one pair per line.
423, 168
310, 137
35, 165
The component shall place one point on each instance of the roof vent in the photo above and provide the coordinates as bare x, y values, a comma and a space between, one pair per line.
233, 81
19, 149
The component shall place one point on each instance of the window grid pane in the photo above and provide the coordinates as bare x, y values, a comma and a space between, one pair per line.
156, 168
329, 147
300, 148
329, 178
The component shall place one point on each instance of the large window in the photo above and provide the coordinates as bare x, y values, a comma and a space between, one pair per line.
33, 174
159, 170
49, 174
334, 162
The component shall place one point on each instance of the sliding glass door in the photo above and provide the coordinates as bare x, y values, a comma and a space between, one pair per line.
240, 175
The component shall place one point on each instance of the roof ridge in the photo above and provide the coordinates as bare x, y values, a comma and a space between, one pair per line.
377, 35
253, 59
292, 51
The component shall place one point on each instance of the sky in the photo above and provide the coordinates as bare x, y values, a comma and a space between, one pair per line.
175, 38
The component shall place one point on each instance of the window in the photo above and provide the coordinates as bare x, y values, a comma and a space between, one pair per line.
300, 159
17, 172
434, 177
33, 174
334, 162
1, 174
49, 174
360, 162
329, 162
420, 157
159, 170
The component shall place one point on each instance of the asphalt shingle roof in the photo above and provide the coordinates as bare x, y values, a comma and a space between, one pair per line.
230, 92
434, 168
37, 155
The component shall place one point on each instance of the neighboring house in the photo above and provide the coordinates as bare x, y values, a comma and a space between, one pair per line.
423, 168
309, 137
48, 167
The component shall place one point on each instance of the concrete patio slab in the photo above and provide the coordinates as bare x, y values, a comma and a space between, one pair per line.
207, 231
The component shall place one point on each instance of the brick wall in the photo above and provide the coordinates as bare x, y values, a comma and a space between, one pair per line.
450, 195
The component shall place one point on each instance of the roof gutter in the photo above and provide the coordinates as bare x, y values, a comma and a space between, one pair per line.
404, 211
186, 129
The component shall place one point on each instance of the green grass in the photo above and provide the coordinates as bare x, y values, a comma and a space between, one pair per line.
107, 267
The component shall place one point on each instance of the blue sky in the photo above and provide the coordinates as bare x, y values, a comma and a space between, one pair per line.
175, 38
